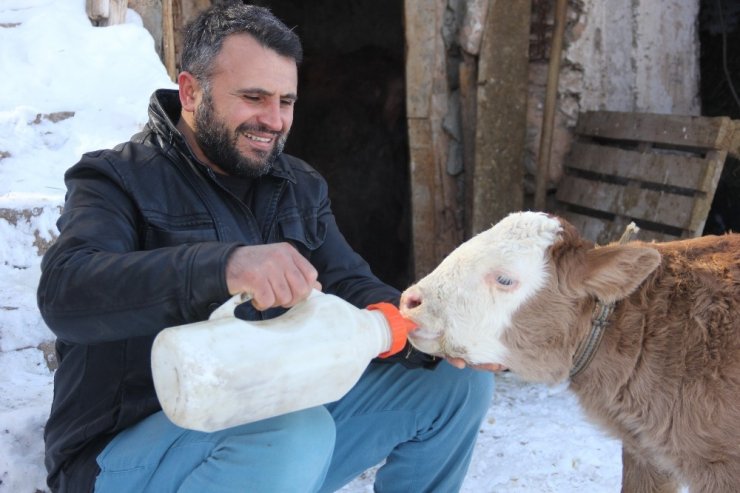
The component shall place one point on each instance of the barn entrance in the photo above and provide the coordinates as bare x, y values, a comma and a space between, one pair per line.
719, 36
350, 121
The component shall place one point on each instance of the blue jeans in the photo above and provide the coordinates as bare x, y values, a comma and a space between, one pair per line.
423, 423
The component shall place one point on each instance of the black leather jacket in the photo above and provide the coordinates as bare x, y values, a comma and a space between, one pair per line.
144, 238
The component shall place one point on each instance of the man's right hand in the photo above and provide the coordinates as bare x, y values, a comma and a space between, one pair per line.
274, 275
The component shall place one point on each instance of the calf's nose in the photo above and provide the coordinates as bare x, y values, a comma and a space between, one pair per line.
410, 299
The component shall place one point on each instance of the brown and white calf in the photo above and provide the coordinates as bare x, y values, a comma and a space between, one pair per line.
664, 373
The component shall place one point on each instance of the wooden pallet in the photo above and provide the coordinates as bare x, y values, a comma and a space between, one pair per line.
660, 171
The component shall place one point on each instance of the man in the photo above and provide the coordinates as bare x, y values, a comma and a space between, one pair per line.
159, 231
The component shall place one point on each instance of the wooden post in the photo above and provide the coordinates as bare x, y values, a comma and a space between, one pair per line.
501, 113
97, 10
551, 98
420, 52
117, 14
471, 34
436, 225
168, 39
106, 12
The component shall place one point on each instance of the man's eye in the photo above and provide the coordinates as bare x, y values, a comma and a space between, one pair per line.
287, 102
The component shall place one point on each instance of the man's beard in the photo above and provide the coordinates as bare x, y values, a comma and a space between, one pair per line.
220, 146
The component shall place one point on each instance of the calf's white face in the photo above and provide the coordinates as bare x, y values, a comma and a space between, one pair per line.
464, 306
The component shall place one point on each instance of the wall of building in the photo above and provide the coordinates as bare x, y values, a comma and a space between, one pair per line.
619, 55
636, 56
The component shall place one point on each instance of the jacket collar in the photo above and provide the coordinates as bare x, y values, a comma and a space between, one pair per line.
164, 112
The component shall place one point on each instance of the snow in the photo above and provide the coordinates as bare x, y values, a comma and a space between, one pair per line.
68, 88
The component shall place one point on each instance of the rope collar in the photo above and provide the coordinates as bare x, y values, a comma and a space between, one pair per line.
587, 348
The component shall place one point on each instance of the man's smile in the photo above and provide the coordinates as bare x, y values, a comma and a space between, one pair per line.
257, 138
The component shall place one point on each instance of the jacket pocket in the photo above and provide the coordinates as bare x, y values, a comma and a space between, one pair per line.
303, 230
162, 230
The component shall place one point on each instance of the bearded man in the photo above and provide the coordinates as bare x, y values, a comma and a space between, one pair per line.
161, 230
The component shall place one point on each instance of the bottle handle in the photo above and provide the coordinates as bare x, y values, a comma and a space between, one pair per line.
227, 309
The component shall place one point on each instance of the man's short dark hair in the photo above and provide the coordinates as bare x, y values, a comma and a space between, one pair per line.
205, 35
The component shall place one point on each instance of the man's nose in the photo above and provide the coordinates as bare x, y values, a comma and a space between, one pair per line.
271, 116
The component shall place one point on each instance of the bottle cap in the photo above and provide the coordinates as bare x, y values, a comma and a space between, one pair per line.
400, 327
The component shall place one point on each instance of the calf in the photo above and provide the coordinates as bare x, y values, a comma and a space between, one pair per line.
647, 333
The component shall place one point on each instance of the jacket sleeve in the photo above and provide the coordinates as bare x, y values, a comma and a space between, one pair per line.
97, 285
343, 272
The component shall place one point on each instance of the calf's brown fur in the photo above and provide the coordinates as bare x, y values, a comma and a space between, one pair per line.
666, 377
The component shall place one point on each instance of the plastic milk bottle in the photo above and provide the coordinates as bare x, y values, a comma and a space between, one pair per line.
225, 372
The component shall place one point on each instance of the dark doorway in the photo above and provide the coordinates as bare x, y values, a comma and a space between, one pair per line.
350, 121
719, 37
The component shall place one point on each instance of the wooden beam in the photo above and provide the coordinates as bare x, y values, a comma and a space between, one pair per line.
117, 14
168, 39
734, 149
501, 114
106, 12
677, 130
468, 108
420, 21
97, 10
436, 215
551, 98
471, 34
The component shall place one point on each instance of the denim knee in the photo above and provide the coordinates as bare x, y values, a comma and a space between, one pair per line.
308, 435
481, 386
468, 390
299, 454
271, 455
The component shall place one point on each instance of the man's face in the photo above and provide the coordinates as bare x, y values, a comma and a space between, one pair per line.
242, 121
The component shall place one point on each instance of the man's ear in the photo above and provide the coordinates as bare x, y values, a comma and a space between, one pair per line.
189, 89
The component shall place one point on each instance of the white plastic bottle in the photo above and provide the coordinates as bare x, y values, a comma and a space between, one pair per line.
226, 372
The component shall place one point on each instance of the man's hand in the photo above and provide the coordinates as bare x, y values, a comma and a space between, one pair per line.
274, 275
460, 363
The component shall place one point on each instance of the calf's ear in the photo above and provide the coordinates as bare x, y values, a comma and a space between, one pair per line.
615, 271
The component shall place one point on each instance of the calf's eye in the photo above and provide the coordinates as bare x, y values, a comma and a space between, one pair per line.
501, 280
504, 281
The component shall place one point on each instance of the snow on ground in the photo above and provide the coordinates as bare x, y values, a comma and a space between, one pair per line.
67, 88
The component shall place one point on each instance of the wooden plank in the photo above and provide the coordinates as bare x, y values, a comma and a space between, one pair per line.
436, 213
501, 117
665, 177
420, 27
658, 207
648, 235
603, 231
703, 202
117, 15
168, 38
106, 12
551, 96
97, 10
468, 105
594, 229
471, 34
679, 130
421, 162
734, 148
684, 171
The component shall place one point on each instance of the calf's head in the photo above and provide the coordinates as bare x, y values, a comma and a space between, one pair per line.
515, 295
